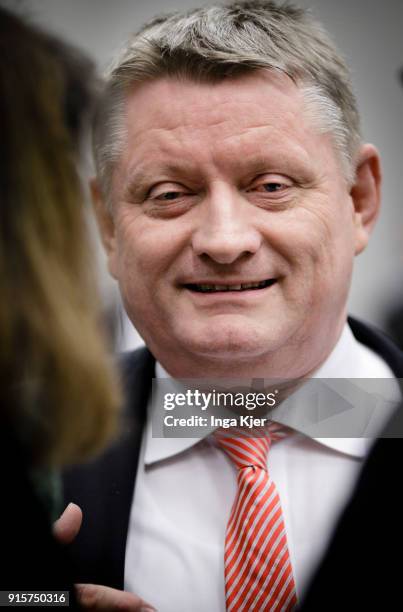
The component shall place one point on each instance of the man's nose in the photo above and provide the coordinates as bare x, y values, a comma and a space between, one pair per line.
225, 230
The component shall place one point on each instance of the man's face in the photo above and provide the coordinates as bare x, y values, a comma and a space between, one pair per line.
233, 229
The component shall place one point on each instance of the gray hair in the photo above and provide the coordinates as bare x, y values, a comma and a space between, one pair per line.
212, 43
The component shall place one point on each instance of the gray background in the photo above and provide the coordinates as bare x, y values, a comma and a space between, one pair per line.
369, 34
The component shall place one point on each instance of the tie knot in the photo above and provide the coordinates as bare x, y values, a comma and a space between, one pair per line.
245, 447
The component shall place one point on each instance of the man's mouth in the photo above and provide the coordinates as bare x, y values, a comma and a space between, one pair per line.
214, 288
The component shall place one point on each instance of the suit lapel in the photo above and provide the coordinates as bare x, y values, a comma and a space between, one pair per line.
380, 343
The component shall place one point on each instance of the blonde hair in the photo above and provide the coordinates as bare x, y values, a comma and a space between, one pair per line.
58, 386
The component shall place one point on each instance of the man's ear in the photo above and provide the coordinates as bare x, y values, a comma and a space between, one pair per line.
106, 225
366, 194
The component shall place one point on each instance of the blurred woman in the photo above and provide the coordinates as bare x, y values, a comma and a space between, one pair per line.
58, 393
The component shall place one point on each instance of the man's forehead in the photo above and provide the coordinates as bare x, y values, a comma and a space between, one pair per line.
259, 116
174, 102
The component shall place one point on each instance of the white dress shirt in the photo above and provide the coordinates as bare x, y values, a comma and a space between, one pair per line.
185, 489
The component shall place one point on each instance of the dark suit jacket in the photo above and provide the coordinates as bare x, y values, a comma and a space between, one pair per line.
361, 569
104, 488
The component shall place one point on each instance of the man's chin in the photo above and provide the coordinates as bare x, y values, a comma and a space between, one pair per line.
227, 341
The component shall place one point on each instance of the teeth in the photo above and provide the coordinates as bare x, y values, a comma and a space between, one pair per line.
241, 287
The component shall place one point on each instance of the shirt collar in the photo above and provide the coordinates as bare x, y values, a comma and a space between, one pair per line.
350, 359
158, 449
347, 360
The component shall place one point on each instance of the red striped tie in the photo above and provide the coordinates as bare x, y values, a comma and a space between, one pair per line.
258, 572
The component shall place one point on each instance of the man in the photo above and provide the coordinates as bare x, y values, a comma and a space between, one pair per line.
233, 191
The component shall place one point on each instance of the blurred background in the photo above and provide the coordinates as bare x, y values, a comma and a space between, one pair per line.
369, 34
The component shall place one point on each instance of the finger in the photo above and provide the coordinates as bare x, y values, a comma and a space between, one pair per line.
102, 598
66, 528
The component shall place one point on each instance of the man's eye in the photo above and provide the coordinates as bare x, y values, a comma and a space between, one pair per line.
168, 195
273, 187
167, 192
271, 184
